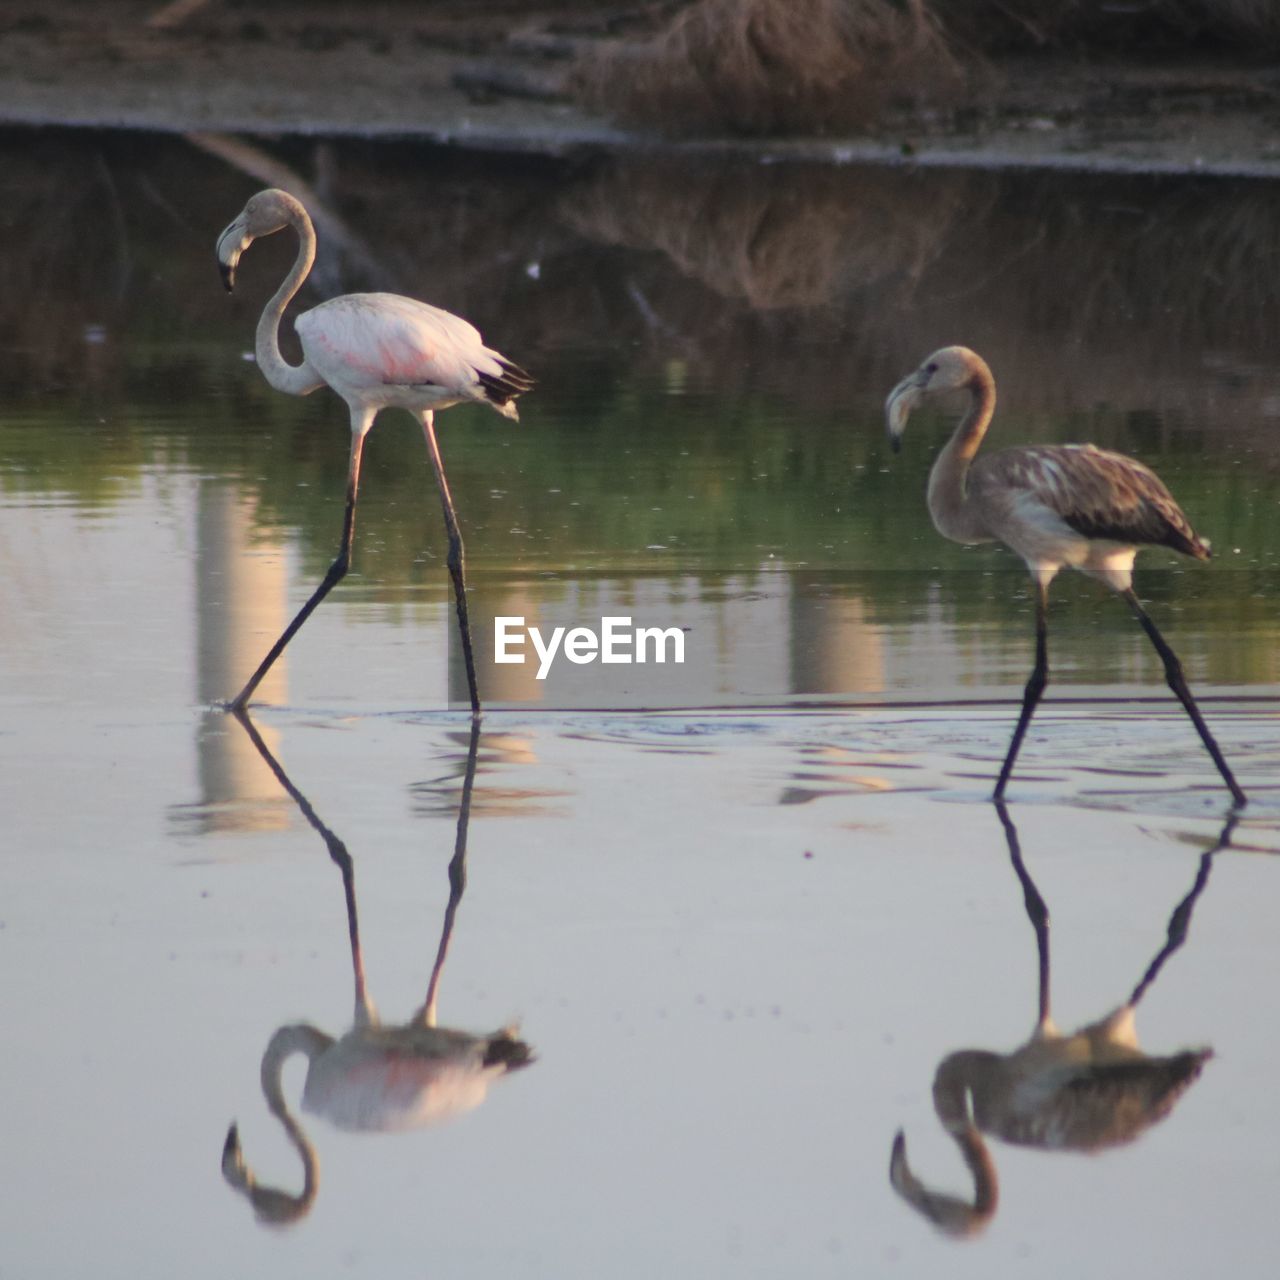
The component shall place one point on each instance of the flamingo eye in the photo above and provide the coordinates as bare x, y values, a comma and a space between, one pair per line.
931, 368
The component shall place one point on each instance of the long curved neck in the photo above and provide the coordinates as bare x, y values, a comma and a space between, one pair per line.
948, 500
293, 379
273, 1204
298, 1038
960, 1084
955, 1216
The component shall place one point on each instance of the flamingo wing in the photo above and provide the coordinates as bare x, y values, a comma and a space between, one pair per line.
1100, 494
361, 341
1084, 1106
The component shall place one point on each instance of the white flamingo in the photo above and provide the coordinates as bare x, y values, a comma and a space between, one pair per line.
374, 1078
1054, 505
377, 351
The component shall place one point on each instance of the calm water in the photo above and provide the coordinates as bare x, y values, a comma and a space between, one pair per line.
740, 931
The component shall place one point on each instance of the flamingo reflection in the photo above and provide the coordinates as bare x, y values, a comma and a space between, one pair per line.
374, 1078
1086, 1091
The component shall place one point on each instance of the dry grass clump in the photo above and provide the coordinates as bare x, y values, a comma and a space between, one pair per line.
767, 66
822, 66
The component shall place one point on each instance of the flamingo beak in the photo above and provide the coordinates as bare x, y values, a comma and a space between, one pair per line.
905, 397
231, 244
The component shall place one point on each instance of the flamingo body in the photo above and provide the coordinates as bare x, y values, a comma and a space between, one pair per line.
1074, 506
390, 1079
373, 1079
1086, 1091
383, 351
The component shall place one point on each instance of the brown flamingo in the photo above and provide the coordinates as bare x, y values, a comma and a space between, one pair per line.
1088, 1090
1054, 505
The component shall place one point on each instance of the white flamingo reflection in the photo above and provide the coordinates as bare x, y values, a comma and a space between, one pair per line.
374, 1078
1086, 1091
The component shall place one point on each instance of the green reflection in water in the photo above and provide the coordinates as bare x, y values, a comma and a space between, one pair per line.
696, 504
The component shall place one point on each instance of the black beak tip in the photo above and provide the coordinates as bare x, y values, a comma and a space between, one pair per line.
228, 276
895, 442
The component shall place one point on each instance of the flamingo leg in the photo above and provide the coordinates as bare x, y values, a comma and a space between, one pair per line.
1177, 682
455, 558
1037, 910
457, 877
1180, 920
360, 423
364, 1011
1035, 685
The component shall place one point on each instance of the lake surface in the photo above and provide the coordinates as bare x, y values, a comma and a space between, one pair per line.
741, 908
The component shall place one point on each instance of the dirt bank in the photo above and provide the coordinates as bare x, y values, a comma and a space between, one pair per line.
467, 74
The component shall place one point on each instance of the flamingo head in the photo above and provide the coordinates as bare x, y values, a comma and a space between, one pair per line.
267, 212
948, 369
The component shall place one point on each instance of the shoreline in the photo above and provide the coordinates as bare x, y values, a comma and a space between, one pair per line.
387, 82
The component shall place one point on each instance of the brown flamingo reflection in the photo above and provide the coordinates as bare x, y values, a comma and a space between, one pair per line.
374, 1078
1085, 1091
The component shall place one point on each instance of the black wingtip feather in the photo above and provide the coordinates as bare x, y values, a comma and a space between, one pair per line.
507, 1050
511, 382
1157, 530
